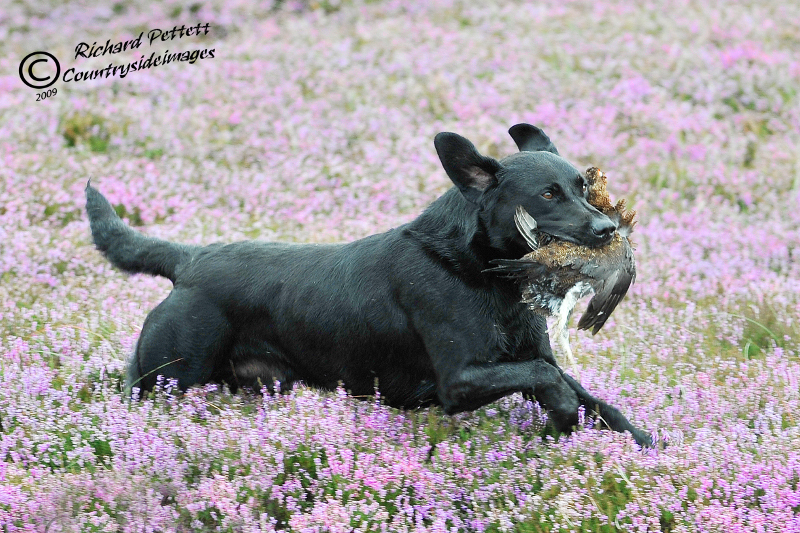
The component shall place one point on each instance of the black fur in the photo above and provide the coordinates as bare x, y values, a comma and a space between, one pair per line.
412, 307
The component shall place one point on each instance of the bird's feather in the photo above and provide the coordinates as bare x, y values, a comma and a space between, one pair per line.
526, 225
606, 300
617, 274
517, 268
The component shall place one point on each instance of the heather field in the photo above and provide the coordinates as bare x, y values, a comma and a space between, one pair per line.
313, 122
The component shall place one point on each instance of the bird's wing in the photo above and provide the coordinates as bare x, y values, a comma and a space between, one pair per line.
523, 267
613, 283
518, 268
526, 225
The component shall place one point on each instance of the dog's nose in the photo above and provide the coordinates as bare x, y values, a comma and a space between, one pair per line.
603, 228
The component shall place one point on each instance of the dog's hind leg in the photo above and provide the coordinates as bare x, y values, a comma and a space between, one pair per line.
133, 377
257, 366
185, 337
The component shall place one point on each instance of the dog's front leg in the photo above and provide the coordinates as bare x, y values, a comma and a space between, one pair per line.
478, 384
610, 416
463, 350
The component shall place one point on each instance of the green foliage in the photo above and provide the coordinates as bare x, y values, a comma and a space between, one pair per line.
134, 216
764, 328
86, 128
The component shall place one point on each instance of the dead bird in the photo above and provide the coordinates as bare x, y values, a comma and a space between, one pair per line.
556, 273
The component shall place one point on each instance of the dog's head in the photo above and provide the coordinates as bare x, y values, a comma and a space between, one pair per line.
547, 186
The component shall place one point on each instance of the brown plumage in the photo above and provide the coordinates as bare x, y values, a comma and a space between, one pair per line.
556, 274
598, 197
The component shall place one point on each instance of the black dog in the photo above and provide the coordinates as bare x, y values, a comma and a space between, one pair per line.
412, 307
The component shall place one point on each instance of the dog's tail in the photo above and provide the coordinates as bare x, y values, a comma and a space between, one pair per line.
128, 249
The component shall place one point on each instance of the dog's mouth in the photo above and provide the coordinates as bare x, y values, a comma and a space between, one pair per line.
545, 237
535, 236
596, 242
548, 238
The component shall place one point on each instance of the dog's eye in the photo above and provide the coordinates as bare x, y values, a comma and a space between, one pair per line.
547, 195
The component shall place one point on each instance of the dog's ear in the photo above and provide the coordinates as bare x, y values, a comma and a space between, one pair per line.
472, 172
531, 139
